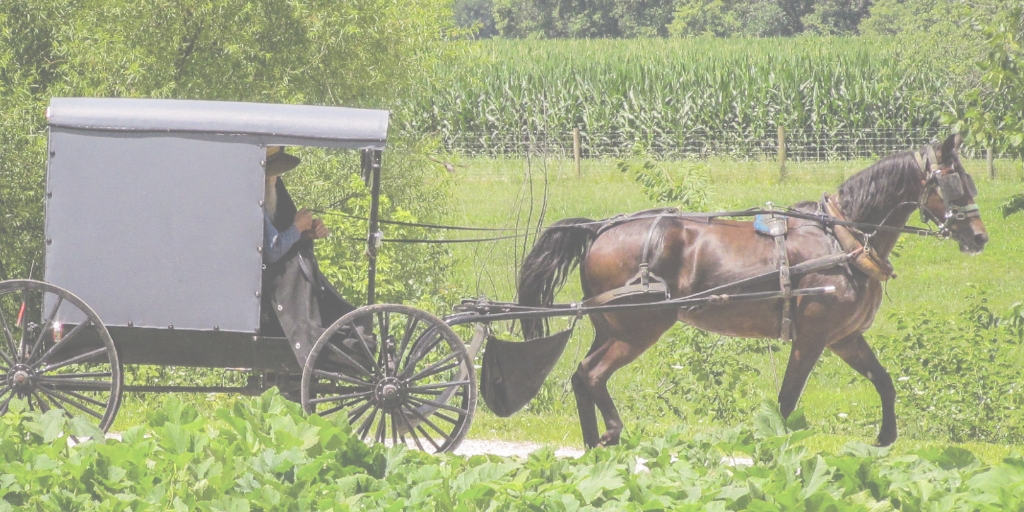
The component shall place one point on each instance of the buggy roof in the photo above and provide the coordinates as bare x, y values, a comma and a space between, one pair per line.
263, 123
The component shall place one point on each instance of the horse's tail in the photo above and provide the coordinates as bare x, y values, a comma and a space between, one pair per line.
556, 253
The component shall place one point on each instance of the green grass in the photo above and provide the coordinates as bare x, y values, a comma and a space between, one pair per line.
934, 277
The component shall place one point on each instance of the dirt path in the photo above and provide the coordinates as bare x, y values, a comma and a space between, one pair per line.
509, 448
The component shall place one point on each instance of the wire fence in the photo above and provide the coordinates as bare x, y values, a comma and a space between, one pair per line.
799, 145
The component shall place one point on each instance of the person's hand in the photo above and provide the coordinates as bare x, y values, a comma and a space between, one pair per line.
319, 229
303, 220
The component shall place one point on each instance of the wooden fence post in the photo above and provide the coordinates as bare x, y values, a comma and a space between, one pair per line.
990, 160
576, 152
782, 154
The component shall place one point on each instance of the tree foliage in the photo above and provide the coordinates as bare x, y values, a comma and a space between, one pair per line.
361, 53
994, 118
582, 18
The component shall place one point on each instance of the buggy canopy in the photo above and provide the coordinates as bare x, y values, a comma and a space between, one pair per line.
259, 123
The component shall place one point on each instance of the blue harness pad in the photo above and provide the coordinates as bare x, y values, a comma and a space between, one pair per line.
761, 224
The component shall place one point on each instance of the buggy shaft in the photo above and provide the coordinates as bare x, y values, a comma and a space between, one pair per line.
577, 310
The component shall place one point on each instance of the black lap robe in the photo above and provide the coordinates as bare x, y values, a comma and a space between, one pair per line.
298, 301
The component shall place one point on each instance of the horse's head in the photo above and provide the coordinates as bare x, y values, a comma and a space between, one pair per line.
948, 197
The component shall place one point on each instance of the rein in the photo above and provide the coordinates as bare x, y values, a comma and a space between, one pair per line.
821, 218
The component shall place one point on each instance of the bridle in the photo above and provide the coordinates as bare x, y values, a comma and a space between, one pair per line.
951, 185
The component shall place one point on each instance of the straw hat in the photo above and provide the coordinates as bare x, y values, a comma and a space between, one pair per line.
279, 162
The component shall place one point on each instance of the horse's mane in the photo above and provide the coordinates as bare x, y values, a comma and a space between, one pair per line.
872, 193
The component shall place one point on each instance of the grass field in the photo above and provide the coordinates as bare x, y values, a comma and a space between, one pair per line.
933, 277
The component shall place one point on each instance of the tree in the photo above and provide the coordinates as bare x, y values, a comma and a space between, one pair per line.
476, 16
582, 18
994, 118
840, 17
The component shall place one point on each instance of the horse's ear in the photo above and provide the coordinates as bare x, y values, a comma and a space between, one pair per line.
951, 147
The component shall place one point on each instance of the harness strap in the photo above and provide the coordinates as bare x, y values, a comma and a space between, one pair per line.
866, 260
644, 282
778, 230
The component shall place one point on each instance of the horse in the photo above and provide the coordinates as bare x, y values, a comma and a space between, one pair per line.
694, 253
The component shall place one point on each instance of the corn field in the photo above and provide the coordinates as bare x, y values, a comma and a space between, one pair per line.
835, 97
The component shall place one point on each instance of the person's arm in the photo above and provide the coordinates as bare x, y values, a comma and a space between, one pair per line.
277, 243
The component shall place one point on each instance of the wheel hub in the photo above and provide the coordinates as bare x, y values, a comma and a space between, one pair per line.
388, 393
21, 378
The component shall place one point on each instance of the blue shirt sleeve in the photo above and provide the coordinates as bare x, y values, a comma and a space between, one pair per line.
276, 243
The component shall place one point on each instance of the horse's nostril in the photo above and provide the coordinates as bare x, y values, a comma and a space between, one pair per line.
981, 239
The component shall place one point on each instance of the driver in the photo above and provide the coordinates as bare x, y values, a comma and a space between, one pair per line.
298, 301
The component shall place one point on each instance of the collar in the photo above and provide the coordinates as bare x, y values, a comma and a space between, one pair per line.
865, 260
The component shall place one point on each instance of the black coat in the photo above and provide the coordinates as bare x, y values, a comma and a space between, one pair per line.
298, 301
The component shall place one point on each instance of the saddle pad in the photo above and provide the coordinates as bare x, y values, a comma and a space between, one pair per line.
764, 224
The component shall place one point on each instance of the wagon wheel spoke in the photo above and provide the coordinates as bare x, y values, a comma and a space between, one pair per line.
339, 398
324, 374
434, 403
363, 342
426, 435
438, 388
409, 428
383, 321
5, 400
74, 394
438, 367
47, 326
410, 327
364, 428
8, 338
76, 359
358, 412
394, 429
22, 313
381, 434
420, 348
336, 350
65, 341
62, 397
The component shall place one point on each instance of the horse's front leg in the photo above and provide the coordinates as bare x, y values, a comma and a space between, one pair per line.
802, 357
856, 352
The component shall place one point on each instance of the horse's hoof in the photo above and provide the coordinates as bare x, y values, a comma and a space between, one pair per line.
884, 441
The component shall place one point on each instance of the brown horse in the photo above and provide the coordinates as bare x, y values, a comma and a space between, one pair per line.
693, 253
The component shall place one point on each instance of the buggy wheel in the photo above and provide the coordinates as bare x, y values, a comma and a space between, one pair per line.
401, 375
55, 353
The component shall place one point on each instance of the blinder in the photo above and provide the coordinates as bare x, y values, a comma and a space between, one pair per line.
956, 186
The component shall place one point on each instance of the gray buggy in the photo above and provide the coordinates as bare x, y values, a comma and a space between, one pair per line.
154, 218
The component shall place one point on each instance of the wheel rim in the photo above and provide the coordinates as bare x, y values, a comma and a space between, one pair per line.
55, 353
403, 377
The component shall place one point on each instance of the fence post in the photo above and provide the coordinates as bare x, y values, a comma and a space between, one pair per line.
782, 154
990, 160
576, 152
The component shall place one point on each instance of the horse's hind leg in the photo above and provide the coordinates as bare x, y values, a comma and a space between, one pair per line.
591, 381
856, 352
585, 406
